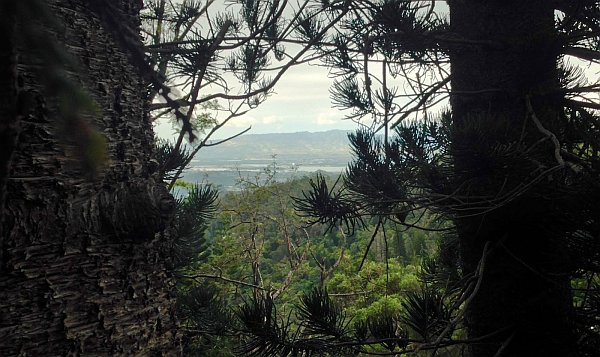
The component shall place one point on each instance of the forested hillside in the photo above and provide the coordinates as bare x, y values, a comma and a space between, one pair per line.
302, 147
295, 154
257, 243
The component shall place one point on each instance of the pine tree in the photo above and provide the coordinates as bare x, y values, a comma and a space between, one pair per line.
513, 164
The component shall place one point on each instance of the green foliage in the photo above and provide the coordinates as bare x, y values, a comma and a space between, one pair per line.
384, 326
426, 313
586, 302
518, 164
200, 304
205, 120
330, 206
269, 337
202, 312
481, 169
265, 250
170, 159
322, 316
192, 214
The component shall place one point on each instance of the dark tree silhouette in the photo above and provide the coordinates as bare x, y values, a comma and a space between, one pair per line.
513, 164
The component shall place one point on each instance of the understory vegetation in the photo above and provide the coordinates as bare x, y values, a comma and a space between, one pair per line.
259, 278
258, 255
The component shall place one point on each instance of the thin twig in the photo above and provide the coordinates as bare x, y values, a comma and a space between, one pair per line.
218, 277
546, 132
504, 345
479, 275
424, 98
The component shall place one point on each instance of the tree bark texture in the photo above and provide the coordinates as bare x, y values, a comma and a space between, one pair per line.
8, 97
84, 264
524, 299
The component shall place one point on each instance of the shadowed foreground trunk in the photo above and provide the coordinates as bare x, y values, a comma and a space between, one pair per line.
524, 299
84, 260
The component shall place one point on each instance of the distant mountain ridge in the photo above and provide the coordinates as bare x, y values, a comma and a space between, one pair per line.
330, 146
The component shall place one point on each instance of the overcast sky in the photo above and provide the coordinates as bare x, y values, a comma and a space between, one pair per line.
300, 102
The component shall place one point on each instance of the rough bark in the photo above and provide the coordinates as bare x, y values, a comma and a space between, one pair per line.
524, 296
85, 266
8, 98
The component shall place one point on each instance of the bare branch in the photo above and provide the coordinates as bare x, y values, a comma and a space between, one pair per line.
546, 132
424, 98
583, 53
218, 277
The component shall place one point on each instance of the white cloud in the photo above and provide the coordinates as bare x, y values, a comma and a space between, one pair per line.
249, 120
329, 117
242, 122
271, 119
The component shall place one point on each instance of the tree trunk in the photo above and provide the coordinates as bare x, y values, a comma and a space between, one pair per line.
524, 299
8, 99
85, 266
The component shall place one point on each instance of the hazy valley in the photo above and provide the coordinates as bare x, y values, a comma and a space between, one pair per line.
291, 153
